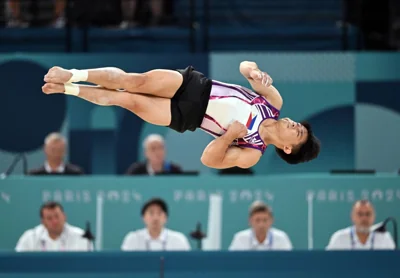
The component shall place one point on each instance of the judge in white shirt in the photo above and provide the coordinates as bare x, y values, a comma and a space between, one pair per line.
54, 234
361, 236
261, 236
155, 237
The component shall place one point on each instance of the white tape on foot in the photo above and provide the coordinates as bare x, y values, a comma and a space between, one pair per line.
78, 75
71, 89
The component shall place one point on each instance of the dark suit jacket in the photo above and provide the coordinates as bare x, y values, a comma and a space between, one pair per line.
70, 170
140, 168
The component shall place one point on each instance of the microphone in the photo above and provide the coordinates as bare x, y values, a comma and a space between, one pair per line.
10, 169
381, 228
198, 235
89, 236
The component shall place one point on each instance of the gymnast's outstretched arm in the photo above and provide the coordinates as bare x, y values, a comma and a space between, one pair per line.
261, 83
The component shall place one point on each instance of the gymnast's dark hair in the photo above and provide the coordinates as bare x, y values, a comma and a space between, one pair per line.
308, 151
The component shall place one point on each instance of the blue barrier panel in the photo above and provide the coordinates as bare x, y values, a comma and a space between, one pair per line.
300, 264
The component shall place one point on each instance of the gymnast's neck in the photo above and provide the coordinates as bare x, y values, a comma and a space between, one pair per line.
269, 133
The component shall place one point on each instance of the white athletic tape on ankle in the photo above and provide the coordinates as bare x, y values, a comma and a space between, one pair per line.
78, 75
71, 89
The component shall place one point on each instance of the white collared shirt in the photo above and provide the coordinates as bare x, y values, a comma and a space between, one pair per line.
345, 239
246, 241
60, 169
168, 240
38, 239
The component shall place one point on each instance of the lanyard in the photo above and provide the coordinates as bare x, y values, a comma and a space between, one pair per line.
43, 245
353, 240
164, 244
63, 239
270, 240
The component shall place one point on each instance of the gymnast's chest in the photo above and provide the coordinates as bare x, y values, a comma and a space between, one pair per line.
227, 110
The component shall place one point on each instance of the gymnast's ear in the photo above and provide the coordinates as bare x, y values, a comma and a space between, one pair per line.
287, 149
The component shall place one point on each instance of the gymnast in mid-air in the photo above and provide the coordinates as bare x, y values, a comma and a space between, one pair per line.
244, 122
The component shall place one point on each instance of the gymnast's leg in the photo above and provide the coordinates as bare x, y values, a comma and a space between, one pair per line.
161, 83
154, 110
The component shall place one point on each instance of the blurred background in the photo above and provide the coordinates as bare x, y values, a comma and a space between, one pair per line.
335, 62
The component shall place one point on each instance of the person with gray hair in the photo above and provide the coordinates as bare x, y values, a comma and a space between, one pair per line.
261, 236
55, 145
154, 151
361, 236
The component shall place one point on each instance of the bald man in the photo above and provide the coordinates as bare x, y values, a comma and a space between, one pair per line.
154, 151
361, 236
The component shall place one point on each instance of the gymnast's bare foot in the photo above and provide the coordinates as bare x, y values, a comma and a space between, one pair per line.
53, 88
57, 75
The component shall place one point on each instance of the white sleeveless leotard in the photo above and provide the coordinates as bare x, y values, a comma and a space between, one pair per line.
228, 103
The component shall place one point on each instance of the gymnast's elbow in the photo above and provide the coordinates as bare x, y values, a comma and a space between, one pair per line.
207, 160
210, 161
245, 66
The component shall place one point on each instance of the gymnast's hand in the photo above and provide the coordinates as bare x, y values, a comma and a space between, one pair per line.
261, 77
237, 130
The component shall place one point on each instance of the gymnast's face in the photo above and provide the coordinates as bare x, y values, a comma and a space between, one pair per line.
154, 217
291, 134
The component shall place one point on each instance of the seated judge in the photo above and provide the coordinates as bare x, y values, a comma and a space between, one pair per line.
55, 146
261, 236
156, 163
361, 235
155, 236
54, 234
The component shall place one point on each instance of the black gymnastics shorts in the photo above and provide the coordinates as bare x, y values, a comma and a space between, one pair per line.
189, 104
